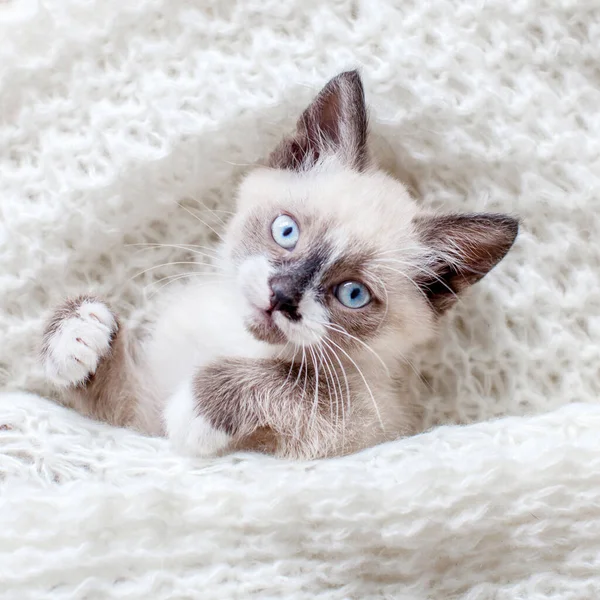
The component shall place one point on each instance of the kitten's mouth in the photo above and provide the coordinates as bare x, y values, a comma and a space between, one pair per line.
262, 325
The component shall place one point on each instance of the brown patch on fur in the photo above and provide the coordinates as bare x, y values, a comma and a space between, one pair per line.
266, 332
109, 394
267, 402
263, 440
465, 248
336, 122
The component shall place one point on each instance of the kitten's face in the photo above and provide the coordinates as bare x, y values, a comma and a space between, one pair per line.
329, 251
321, 257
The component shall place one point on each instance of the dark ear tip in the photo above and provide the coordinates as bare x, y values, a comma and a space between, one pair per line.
510, 225
349, 77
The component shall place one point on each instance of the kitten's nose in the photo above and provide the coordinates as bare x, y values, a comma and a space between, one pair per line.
284, 297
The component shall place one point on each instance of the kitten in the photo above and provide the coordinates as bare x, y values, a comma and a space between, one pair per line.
335, 276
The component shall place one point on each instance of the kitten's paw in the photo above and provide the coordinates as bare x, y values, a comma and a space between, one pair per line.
189, 432
76, 339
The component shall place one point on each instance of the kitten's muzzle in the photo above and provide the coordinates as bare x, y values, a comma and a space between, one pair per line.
285, 297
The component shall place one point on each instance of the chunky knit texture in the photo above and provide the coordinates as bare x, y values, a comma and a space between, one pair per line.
112, 113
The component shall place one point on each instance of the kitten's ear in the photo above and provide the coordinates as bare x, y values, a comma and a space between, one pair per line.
464, 248
334, 123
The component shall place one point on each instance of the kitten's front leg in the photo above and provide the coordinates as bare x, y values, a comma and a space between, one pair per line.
251, 404
84, 353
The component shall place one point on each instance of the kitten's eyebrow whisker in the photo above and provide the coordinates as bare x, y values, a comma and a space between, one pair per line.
387, 299
404, 249
420, 268
228, 162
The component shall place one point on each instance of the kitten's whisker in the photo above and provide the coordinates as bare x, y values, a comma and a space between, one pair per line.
364, 381
283, 349
187, 262
187, 247
400, 354
298, 425
228, 162
412, 281
300, 369
315, 402
199, 219
343, 331
420, 249
305, 363
319, 350
225, 212
329, 374
291, 365
174, 278
345, 375
419, 268
213, 212
341, 393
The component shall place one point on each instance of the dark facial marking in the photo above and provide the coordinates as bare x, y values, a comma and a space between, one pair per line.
294, 276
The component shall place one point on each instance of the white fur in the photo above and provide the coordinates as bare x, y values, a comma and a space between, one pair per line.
253, 281
194, 327
494, 105
479, 512
188, 431
78, 344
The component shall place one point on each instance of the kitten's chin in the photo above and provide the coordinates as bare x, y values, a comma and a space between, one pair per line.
262, 327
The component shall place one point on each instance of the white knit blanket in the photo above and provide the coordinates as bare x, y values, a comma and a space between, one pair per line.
113, 111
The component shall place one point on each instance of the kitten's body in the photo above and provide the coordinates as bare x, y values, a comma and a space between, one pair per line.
271, 353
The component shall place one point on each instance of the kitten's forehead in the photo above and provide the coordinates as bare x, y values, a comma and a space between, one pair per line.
352, 206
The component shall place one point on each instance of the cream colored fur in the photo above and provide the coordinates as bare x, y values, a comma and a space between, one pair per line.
264, 348
199, 323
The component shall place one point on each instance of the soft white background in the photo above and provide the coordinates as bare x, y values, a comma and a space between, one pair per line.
112, 112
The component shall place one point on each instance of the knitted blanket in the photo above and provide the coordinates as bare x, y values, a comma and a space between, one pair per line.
114, 115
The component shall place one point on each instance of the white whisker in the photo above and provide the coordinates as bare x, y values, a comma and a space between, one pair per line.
199, 219
420, 268
186, 262
364, 381
212, 211
172, 279
315, 403
347, 384
341, 330
187, 247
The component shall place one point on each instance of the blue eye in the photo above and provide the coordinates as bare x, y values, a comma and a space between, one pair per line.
285, 231
353, 294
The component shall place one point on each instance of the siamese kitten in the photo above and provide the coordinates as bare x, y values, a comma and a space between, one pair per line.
335, 276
